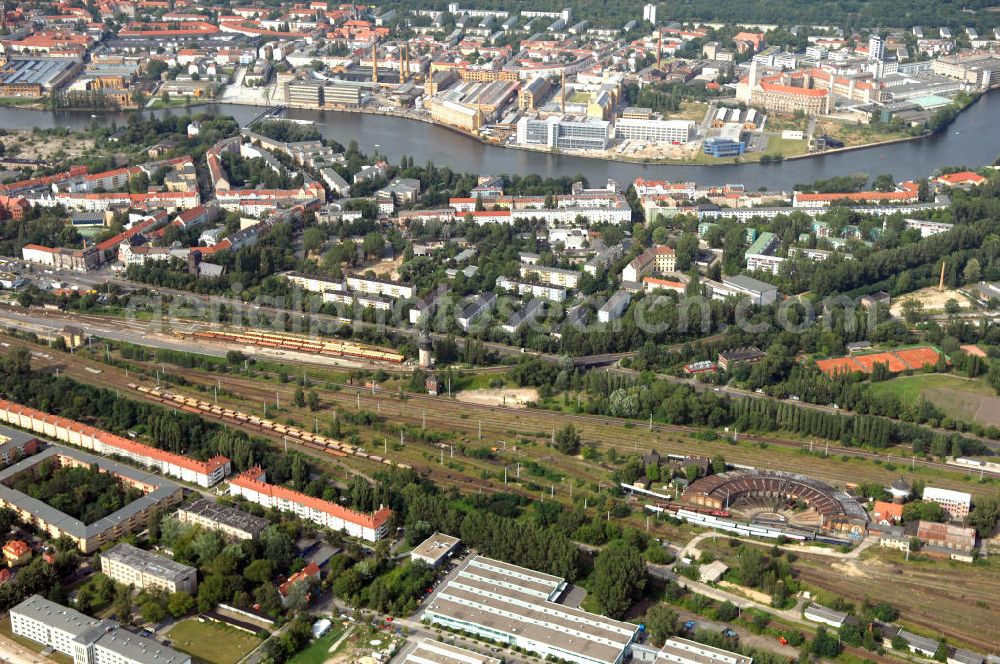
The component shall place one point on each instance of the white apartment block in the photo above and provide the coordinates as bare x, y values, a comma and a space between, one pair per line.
87, 640
552, 293
378, 287
133, 566
552, 275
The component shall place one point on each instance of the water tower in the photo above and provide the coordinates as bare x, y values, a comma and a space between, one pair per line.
424, 347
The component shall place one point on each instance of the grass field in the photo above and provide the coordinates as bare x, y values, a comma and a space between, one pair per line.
961, 398
212, 642
318, 650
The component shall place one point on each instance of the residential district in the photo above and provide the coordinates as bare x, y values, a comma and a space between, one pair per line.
267, 398
642, 88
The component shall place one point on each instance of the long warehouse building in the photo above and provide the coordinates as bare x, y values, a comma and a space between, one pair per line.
203, 473
519, 607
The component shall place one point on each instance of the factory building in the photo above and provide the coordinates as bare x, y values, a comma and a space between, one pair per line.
520, 607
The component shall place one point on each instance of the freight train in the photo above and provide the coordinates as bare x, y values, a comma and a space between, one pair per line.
301, 344
311, 440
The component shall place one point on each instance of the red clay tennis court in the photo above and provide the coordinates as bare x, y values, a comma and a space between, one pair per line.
898, 360
918, 357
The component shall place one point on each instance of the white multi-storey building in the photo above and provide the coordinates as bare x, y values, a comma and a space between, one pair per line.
87, 640
955, 503
133, 566
655, 131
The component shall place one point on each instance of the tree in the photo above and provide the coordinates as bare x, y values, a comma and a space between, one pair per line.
912, 310
825, 644
153, 609
568, 440
941, 654
971, 273
686, 250
259, 571
313, 400
661, 621
180, 604
299, 400
619, 576
718, 464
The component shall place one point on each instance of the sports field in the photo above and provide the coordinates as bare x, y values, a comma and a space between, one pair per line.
961, 398
212, 642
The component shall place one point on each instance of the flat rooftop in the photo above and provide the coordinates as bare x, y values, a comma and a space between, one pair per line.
163, 490
435, 546
685, 651
148, 562
429, 651
516, 601
225, 515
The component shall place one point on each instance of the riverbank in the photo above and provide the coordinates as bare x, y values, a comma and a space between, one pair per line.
971, 141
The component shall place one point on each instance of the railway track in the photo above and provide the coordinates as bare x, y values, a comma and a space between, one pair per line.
259, 424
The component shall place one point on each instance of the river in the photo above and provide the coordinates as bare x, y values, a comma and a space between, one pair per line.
973, 140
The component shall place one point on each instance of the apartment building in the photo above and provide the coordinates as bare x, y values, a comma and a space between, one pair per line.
552, 275
253, 486
229, 521
203, 473
382, 287
143, 569
84, 639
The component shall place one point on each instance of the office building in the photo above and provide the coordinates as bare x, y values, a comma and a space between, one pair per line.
520, 607
227, 520
84, 639
143, 569
723, 147
655, 131
309, 94
435, 549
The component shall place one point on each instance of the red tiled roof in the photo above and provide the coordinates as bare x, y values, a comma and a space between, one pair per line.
963, 177
112, 440
250, 480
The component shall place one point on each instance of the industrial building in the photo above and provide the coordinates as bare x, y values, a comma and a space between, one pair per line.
160, 494
84, 639
684, 651
143, 569
34, 78
429, 651
955, 503
520, 607
227, 520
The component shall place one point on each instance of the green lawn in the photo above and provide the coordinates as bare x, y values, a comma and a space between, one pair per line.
318, 650
959, 397
212, 642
